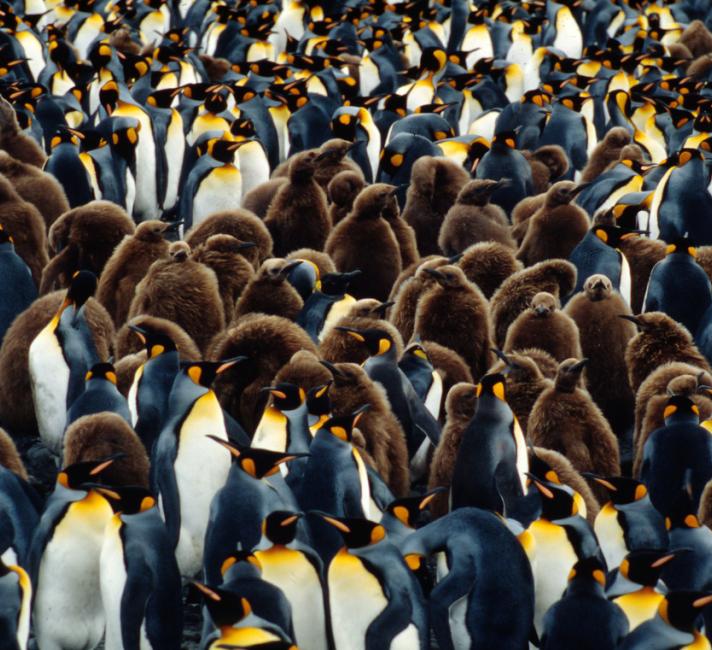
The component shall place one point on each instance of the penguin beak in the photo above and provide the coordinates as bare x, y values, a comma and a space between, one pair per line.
578, 189
229, 363
633, 319
141, 333
352, 332
435, 274
501, 184
335, 372
577, 367
383, 307
541, 311
246, 244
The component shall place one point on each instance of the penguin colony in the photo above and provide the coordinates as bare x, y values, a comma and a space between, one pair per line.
355, 325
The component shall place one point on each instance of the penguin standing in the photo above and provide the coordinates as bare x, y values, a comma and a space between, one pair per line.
270, 292
100, 395
341, 192
18, 290
284, 426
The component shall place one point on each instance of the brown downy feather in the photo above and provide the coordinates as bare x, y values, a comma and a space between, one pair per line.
606, 151
269, 342
104, 434
547, 364
704, 514
331, 160
659, 340
630, 152
18, 415
269, 292
215, 67
408, 272
697, 38
120, 39
544, 326
36, 187
241, 224
128, 343
128, 265
260, 197
460, 406
455, 314
642, 254
548, 164
341, 192
9, 457
450, 366
385, 440
557, 277
20, 146
488, 264
522, 214
704, 259
700, 67
434, 185
404, 234
303, 370
126, 368
85, 239
320, 259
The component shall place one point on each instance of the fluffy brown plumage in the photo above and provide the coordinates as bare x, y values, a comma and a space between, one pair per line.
642, 254
455, 314
460, 406
697, 38
35, 186
544, 326
297, 216
304, 370
548, 164
127, 266
9, 457
341, 192
606, 151
434, 186
365, 241
128, 343
659, 340
405, 235
700, 67
557, 277
556, 228
474, 219
18, 415
488, 264
224, 255
320, 259
260, 197
565, 418
385, 440
269, 292
330, 160
704, 513
547, 364
14, 141
84, 238
184, 291
241, 224
522, 214
103, 434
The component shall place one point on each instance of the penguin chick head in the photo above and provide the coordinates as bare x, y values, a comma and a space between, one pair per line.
286, 396
154, 341
129, 499
621, 489
461, 401
562, 193
682, 608
557, 501
372, 200
377, 341
102, 370
342, 426
74, 476
617, 138
227, 244
598, 287
588, 569
520, 368
344, 187
479, 191
302, 166
179, 251
543, 304
408, 509
333, 152
151, 231
280, 526
644, 566
568, 375
276, 270
258, 463
8, 119
356, 532
449, 277
680, 408
203, 373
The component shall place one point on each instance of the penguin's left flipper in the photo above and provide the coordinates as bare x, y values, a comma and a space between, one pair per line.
235, 432
133, 607
170, 499
454, 586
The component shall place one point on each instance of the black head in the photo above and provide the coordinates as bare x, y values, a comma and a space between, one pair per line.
644, 566
154, 341
204, 373
318, 400
129, 499
557, 501
238, 557
494, 384
88, 471
336, 284
680, 406
682, 246
408, 509
357, 533
102, 370
621, 489
589, 569
226, 608
342, 426
286, 396
258, 463
377, 341
682, 608
82, 288
280, 526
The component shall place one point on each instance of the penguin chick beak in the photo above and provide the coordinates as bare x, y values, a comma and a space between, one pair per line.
501, 184
578, 367
246, 244
335, 372
435, 274
173, 226
541, 311
633, 319
383, 307
578, 189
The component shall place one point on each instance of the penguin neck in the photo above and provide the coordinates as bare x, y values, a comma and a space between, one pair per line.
682, 418
585, 586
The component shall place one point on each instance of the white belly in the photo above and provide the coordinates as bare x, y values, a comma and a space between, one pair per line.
175, 150
254, 166
217, 192
113, 581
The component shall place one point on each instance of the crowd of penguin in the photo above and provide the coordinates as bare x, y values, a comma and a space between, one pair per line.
355, 325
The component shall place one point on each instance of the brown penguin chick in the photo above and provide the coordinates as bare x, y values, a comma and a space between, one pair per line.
408, 272
127, 265
544, 326
9, 456
14, 141
567, 475
488, 264
104, 434
269, 291
525, 382
680, 52
35, 186
547, 364
224, 255
318, 258
341, 192
704, 259
128, 343
632, 152
548, 163
121, 40
700, 67
704, 514
697, 38
304, 370
605, 152
455, 314
260, 197
642, 254
269, 342
450, 366
215, 67
84, 238
660, 339
184, 291
405, 235
365, 241
557, 277
18, 415
330, 160
26, 226
339, 347
460, 407
385, 440
522, 214
604, 338
409, 294
241, 224
565, 418
297, 216
654, 418
474, 219
434, 185
557, 227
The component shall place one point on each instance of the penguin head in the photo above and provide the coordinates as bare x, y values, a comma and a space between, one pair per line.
568, 374
479, 191
494, 384
683, 511
369, 308
286, 396
305, 278
378, 341
129, 499
5, 236
543, 304
563, 192
589, 570
337, 284
681, 246
372, 200
155, 342
179, 251
242, 560
280, 526
356, 532
342, 426
461, 401
277, 270
539, 467
644, 566
409, 509
557, 501
225, 607
617, 138
416, 349
318, 400
74, 476
520, 368
449, 277
621, 489
82, 287
598, 287
344, 187
203, 373
680, 408
221, 149
109, 96
302, 166
152, 230
333, 152
504, 140
228, 244
63, 136
681, 609
258, 463
103, 371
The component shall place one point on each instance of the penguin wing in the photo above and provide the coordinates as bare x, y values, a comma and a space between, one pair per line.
137, 591
165, 484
